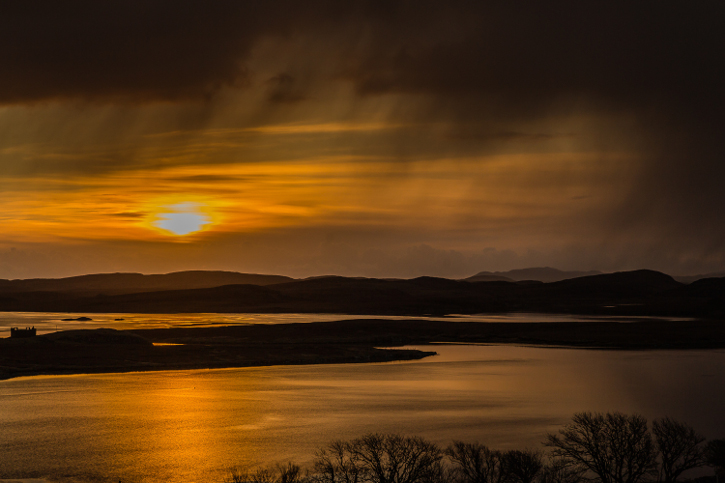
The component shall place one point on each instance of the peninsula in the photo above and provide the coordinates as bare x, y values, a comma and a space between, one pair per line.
344, 341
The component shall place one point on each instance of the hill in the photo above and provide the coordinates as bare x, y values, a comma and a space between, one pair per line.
542, 274
639, 293
115, 283
694, 278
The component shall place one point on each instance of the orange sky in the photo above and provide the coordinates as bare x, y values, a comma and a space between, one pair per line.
304, 146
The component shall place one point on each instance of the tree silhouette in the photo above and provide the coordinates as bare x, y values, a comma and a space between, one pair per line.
715, 455
335, 464
618, 448
289, 473
475, 463
379, 458
605, 448
680, 448
559, 470
521, 466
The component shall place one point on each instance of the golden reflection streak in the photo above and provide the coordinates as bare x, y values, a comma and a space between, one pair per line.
178, 416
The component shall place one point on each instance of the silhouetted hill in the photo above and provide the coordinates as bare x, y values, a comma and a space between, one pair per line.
109, 283
707, 287
693, 278
224, 299
542, 274
703, 298
488, 277
640, 292
629, 284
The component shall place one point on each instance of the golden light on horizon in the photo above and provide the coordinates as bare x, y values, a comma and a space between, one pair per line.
199, 202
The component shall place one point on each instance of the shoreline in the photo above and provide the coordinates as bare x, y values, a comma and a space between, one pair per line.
354, 341
3, 377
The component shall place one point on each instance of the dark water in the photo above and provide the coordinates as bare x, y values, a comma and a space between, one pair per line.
193, 426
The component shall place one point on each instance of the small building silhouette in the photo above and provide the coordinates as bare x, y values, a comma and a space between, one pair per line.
26, 332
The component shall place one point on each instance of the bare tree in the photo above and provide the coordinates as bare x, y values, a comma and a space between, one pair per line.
560, 470
679, 446
521, 466
715, 456
289, 473
616, 447
257, 475
237, 475
379, 458
475, 463
335, 464
262, 475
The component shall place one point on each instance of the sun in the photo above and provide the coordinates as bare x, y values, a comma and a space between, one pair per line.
180, 219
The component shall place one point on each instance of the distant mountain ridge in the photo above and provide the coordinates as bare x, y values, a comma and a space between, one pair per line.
130, 282
542, 274
694, 278
125, 282
635, 293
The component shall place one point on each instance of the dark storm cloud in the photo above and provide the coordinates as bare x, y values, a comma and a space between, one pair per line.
138, 50
132, 50
636, 54
645, 55
658, 64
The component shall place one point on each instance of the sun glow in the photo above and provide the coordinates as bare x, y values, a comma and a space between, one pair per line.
191, 203
180, 218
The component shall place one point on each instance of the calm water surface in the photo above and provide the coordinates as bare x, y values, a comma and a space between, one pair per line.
193, 426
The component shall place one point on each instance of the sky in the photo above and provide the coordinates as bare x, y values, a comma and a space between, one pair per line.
372, 138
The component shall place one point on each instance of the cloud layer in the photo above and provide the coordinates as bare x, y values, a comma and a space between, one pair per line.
588, 128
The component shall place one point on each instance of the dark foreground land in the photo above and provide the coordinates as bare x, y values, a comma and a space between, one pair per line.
347, 341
